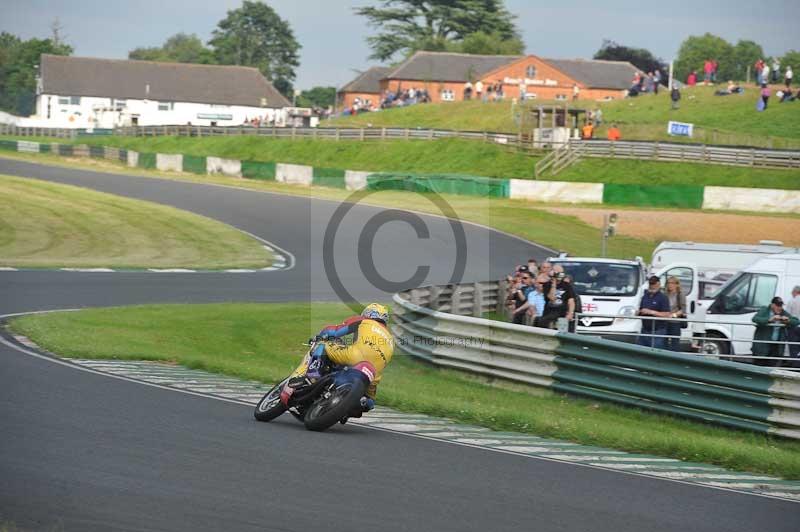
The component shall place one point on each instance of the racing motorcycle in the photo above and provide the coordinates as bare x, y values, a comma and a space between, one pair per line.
337, 395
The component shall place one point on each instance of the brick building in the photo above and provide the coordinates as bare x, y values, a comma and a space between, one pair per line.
445, 76
366, 87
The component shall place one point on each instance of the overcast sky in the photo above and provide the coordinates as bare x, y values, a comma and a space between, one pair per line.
333, 38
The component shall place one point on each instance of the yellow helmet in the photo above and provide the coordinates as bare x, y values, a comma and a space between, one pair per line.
376, 311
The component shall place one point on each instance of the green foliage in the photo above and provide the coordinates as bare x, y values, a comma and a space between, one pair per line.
18, 67
488, 44
695, 50
745, 54
317, 97
254, 35
180, 48
641, 58
792, 57
406, 26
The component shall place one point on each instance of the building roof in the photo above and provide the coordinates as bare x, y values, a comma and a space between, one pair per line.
150, 80
597, 74
445, 66
368, 81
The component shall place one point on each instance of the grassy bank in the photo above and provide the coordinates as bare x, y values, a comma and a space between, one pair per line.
452, 156
521, 218
45, 225
262, 342
718, 119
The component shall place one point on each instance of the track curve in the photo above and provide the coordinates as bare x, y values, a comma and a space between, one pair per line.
84, 452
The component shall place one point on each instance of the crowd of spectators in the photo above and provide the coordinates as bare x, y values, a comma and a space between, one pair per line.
539, 295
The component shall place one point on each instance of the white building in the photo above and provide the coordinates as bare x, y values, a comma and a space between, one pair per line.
84, 92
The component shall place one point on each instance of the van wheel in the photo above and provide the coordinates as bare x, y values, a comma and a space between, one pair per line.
715, 345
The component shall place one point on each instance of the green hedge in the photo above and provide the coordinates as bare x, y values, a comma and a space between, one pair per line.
683, 196
257, 170
441, 184
195, 164
147, 160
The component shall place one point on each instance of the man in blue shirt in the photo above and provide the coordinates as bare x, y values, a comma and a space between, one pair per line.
656, 304
535, 300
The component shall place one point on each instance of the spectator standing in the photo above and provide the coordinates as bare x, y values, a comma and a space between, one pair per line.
479, 90
598, 117
614, 133
587, 131
576, 91
765, 94
560, 299
765, 74
771, 322
708, 68
677, 306
519, 295
533, 267
759, 68
787, 77
776, 70
675, 96
656, 304
468, 90
691, 80
534, 304
714, 69
656, 80
578, 303
793, 334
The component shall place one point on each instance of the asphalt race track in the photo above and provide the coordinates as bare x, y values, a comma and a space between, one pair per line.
82, 451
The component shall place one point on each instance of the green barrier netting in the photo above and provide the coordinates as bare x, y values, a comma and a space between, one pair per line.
194, 163
685, 196
123, 155
258, 170
97, 151
44, 148
8, 145
464, 185
65, 149
328, 177
147, 160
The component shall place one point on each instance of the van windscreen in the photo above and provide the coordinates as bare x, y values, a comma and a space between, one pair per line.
603, 278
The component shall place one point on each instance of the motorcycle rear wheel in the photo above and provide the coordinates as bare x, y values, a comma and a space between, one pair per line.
270, 406
327, 411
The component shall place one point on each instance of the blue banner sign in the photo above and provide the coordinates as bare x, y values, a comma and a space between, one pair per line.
680, 129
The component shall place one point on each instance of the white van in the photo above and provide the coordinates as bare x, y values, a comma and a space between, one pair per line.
714, 264
606, 286
729, 318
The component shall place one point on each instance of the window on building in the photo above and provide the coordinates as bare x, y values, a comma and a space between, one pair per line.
447, 95
165, 106
561, 97
63, 101
530, 96
530, 72
120, 104
69, 100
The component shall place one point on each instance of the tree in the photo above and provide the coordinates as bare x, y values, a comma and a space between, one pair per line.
254, 35
180, 48
488, 44
18, 68
695, 50
641, 58
406, 26
317, 97
745, 54
792, 57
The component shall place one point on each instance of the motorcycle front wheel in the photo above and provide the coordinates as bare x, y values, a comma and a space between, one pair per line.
270, 406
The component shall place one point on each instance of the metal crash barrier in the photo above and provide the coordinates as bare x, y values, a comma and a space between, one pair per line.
444, 326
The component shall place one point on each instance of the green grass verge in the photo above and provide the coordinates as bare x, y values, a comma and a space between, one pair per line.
45, 225
446, 156
521, 218
718, 120
262, 342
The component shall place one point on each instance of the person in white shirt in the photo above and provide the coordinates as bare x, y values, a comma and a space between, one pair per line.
793, 334
787, 76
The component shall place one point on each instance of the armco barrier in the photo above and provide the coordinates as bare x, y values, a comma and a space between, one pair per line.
442, 324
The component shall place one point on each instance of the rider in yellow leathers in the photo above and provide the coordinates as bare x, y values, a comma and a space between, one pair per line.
371, 342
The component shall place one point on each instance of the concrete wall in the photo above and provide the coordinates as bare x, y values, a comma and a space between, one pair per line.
169, 162
556, 191
294, 174
218, 165
751, 199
